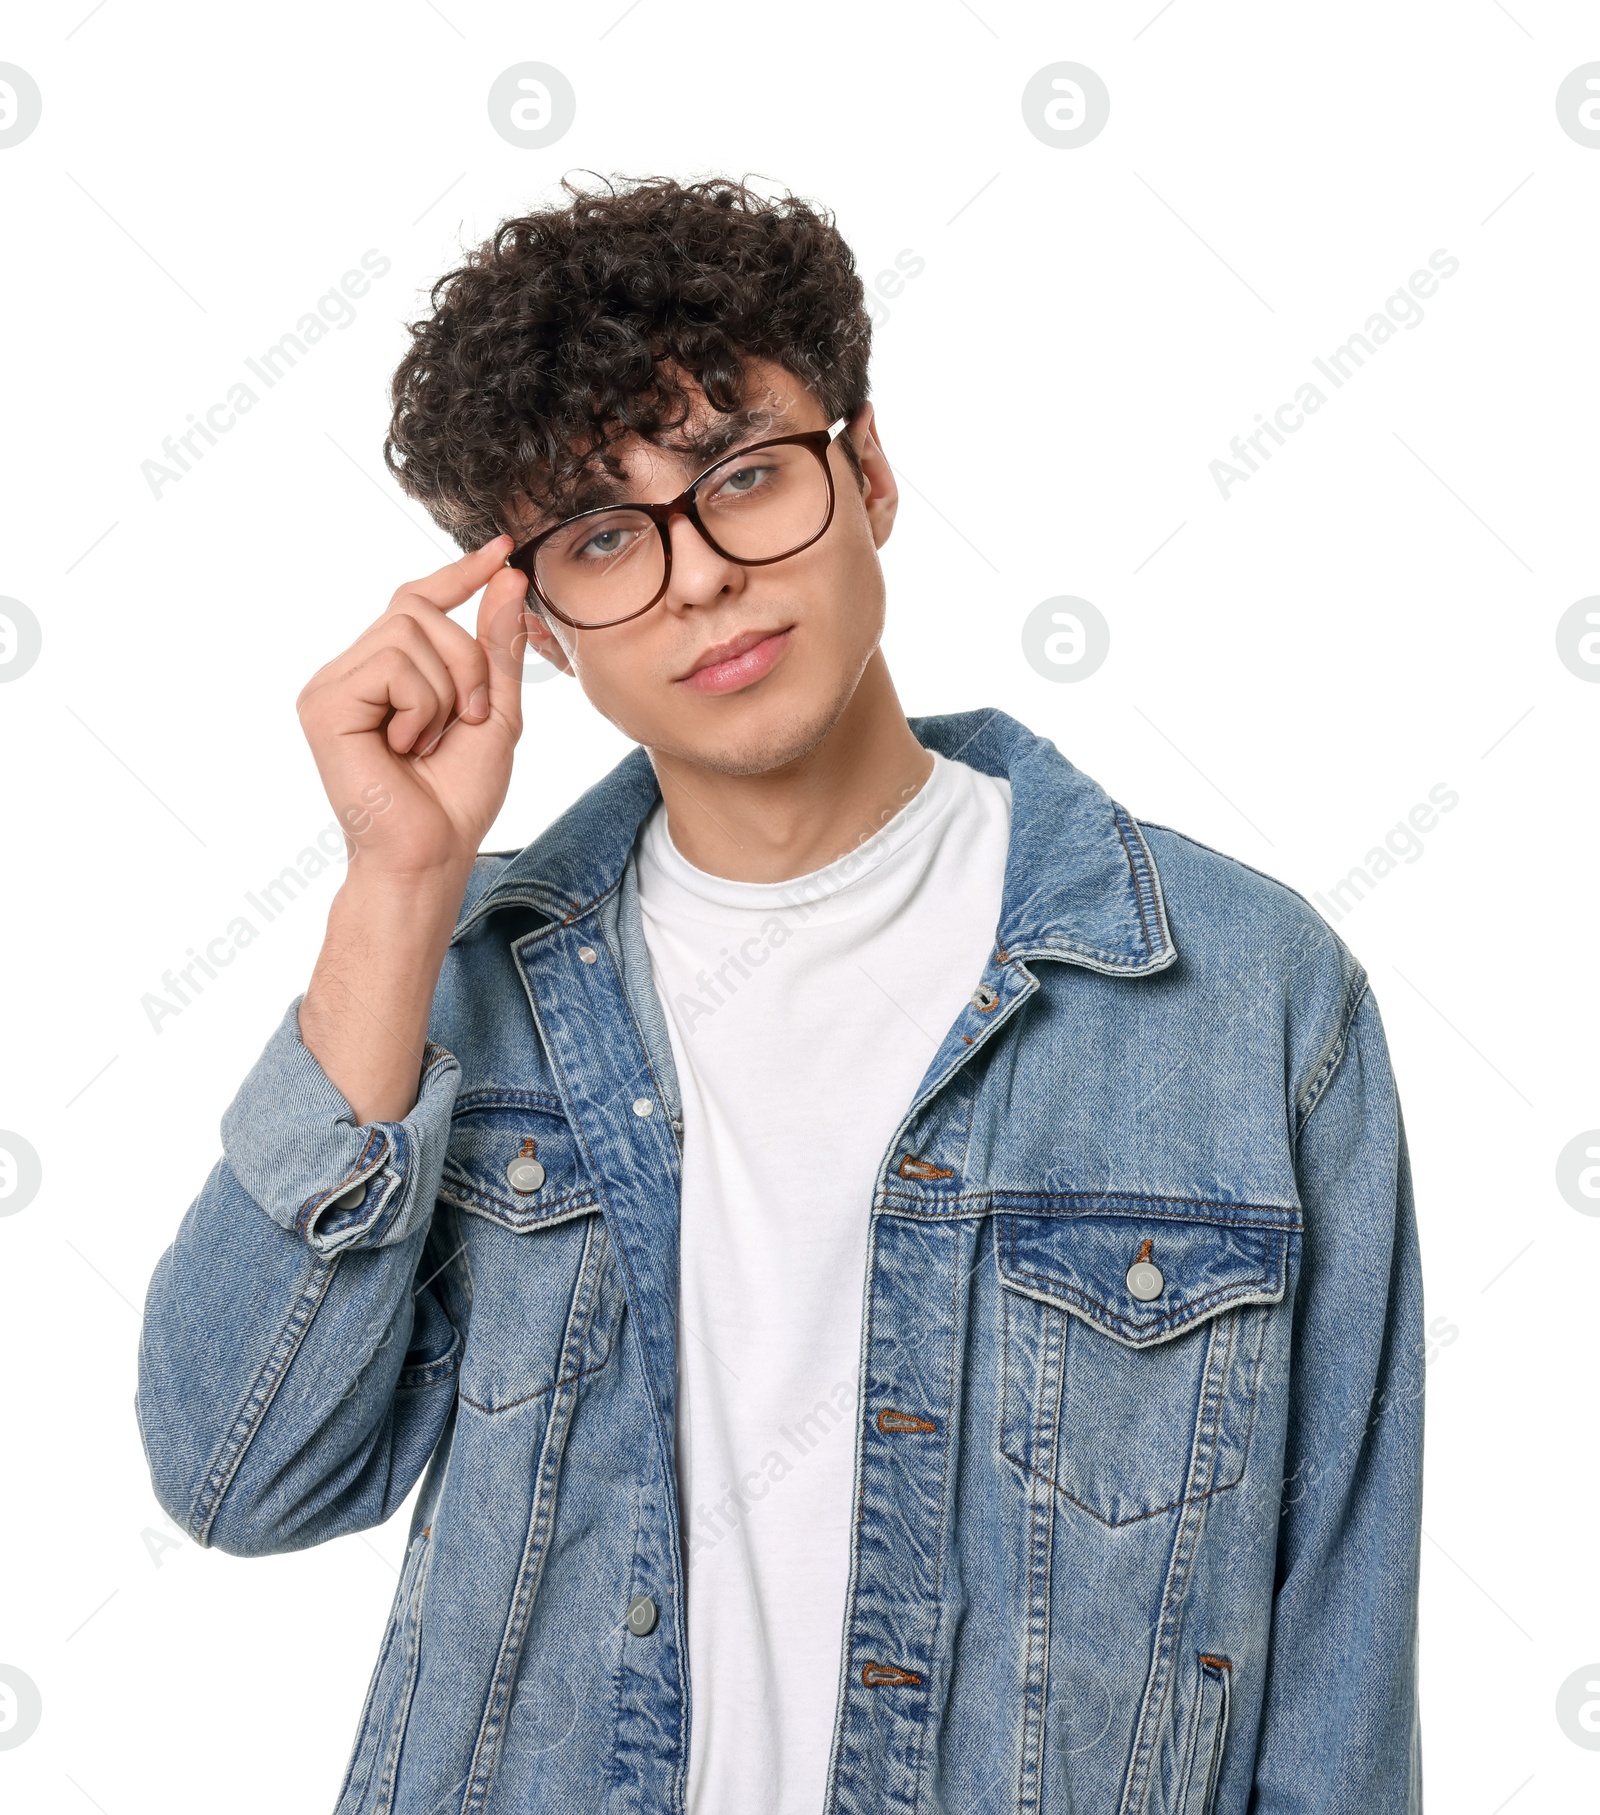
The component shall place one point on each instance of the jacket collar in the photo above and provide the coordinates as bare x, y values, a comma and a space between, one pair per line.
1080, 883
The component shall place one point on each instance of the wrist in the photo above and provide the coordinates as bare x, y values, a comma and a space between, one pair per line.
412, 903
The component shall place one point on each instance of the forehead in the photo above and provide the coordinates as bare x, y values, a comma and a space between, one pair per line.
776, 405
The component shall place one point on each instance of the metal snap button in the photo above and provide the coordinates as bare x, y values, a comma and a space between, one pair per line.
349, 1200
1145, 1279
524, 1175
643, 1106
587, 953
642, 1616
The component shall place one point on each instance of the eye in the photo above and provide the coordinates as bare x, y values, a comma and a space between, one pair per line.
593, 543
742, 480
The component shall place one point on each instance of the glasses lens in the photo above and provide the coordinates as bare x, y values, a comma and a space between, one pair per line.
768, 502
757, 505
601, 568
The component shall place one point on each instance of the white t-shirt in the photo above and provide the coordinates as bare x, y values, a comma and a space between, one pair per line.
802, 1015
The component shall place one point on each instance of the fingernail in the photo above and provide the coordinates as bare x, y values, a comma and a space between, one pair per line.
478, 705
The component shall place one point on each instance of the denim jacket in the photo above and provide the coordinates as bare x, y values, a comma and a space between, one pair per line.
1138, 1460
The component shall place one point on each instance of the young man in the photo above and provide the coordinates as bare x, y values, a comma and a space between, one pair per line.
900, 1279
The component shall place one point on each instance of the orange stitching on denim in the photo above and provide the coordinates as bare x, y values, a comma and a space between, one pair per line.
911, 1167
889, 1421
1220, 1662
878, 1675
530, 1147
1144, 1250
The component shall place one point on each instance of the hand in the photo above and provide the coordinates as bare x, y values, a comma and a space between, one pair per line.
414, 726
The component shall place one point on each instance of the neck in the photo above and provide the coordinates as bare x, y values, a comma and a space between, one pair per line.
784, 822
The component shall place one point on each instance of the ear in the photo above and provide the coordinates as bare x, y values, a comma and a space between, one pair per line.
543, 639
880, 496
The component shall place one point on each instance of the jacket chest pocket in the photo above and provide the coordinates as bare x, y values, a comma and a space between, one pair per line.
1131, 1347
545, 1299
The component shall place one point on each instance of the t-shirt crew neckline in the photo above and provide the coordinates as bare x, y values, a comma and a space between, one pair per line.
921, 817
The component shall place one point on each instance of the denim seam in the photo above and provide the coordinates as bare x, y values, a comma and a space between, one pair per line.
1011, 1268
495, 1718
1140, 865
474, 1198
1041, 1513
627, 1002
393, 1204
1159, 1683
844, 1692
372, 1149
1160, 1686
500, 1095
1115, 1524
934, 1636
615, 1777
406, 1686
1099, 1204
247, 1420
664, 1446
1316, 1086
430, 1373
1194, 1312
1186, 1776
989, 1031
370, 1724
1188, 1804
555, 1385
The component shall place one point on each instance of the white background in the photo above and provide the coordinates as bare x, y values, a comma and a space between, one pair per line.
1370, 615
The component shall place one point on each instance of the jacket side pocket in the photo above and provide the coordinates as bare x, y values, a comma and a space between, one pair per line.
1206, 1741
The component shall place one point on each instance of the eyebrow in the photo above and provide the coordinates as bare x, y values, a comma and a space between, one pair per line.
722, 434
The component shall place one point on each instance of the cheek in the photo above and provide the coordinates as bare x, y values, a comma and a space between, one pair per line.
852, 594
621, 682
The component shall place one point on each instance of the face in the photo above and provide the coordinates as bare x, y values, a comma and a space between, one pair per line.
741, 669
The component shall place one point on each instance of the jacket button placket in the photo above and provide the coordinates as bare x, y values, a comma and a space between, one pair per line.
902, 1520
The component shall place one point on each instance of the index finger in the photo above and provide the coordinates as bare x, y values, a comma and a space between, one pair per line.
454, 584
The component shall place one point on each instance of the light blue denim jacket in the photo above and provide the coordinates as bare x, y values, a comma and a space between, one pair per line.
1138, 1460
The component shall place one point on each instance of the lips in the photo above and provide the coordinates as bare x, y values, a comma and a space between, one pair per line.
726, 667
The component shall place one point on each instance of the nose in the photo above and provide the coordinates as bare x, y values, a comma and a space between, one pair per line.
699, 573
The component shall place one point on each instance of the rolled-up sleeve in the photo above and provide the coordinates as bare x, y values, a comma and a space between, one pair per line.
292, 1142
294, 1376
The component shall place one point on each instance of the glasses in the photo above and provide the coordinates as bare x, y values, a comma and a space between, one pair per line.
758, 505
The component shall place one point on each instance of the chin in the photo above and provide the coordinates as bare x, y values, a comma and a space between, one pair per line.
765, 736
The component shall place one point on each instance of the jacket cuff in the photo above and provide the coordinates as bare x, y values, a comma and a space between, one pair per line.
292, 1140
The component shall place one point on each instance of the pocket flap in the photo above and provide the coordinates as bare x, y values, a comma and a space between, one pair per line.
514, 1159
1148, 1269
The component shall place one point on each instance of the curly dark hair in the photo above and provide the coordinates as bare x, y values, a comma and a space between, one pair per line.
571, 328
